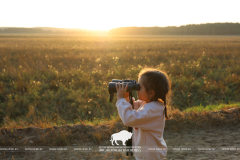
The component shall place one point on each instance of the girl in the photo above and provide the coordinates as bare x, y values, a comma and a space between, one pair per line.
148, 118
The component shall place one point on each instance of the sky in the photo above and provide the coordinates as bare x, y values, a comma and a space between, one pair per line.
107, 14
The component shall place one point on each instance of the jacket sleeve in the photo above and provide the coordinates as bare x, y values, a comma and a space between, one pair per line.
131, 117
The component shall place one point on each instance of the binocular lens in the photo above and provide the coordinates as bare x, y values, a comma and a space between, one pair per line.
132, 85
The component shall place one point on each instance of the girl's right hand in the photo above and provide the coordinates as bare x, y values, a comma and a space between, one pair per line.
136, 104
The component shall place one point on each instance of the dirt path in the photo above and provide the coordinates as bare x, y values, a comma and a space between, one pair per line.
220, 139
201, 140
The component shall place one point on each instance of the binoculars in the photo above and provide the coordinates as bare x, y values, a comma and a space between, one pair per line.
132, 85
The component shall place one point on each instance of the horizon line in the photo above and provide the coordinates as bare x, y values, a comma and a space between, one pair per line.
120, 27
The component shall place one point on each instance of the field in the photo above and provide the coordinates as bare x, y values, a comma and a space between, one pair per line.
64, 79
54, 80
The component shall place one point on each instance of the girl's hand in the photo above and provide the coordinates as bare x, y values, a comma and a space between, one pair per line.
121, 91
127, 96
137, 104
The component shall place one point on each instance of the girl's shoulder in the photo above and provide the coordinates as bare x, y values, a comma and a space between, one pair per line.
155, 104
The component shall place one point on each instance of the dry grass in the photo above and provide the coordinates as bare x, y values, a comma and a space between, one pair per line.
96, 134
203, 120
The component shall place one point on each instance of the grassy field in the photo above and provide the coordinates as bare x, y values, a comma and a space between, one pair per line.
55, 80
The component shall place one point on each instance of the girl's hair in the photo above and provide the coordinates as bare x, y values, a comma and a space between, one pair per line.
153, 79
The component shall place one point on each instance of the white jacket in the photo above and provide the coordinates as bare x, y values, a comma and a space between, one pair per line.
148, 123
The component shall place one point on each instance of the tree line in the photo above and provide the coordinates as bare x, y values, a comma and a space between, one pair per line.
47, 30
25, 31
191, 29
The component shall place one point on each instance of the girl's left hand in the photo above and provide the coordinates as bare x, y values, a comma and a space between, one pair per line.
121, 91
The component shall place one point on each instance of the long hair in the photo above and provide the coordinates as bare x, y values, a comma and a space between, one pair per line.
153, 79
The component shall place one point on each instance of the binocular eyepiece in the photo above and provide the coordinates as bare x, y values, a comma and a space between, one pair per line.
132, 85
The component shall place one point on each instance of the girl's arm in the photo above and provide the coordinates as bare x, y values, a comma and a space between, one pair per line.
131, 117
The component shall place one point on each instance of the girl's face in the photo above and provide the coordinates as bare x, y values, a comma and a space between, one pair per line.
142, 94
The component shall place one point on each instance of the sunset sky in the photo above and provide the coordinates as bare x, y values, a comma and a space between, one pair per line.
107, 14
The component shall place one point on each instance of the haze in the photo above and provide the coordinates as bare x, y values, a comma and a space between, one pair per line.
107, 14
